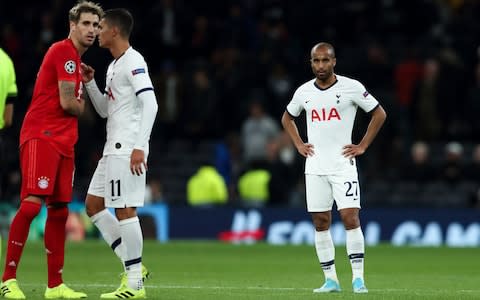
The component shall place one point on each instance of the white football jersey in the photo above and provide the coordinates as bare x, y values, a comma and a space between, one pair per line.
330, 114
127, 77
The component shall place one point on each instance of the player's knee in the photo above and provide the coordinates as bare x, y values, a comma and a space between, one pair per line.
126, 213
93, 205
321, 221
30, 209
57, 212
351, 222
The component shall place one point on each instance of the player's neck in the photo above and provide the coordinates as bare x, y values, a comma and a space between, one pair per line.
327, 82
81, 49
119, 48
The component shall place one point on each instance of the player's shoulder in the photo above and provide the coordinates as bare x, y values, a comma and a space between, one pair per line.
348, 82
133, 56
306, 86
3, 54
62, 45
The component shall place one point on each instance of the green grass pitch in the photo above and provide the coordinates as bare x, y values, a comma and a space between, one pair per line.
213, 270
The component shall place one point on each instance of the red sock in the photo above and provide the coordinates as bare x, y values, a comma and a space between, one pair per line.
55, 235
18, 236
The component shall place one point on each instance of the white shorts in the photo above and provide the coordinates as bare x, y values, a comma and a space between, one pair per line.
322, 190
114, 181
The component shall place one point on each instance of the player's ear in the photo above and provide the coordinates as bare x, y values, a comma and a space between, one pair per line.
115, 31
334, 61
72, 26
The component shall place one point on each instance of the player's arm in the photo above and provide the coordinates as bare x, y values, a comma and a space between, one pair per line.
288, 123
149, 108
376, 122
8, 112
11, 97
68, 101
98, 99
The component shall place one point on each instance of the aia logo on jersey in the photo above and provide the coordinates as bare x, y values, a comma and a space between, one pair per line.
325, 114
43, 182
70, 67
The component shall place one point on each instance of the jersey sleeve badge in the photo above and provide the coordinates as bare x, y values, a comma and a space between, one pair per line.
138, 71
70, 67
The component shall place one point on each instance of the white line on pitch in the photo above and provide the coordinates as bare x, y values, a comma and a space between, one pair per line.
248, 288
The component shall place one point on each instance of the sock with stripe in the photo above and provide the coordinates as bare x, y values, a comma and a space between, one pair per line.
326, 253
132, 238
109, 227
356, 251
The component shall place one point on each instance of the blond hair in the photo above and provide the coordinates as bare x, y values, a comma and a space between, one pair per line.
84, 7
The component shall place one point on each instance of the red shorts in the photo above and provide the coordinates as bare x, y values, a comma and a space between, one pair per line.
45, 172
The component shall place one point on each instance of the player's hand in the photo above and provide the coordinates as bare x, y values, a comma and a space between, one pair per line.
351, 150
87, 72
137, 162
81, 106
306, 150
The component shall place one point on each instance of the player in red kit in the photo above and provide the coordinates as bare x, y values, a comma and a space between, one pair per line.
47, 138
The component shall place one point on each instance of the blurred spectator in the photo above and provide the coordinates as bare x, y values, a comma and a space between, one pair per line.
167, 15
253, 185
202, 38
206, 188
453, 169
154, 191
280, 87
407, 72
426, 120
74, 227
257, 130
201, 102
451, 85
472, 105
282, 178
473, 167
168, 89
419, 167
230, 169
230, 74
377, 72
406, 75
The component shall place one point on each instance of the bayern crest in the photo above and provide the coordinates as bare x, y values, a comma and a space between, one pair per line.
43, 182
70, 66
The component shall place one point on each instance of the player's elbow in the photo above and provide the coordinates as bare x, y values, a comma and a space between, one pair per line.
286, 118
380, 114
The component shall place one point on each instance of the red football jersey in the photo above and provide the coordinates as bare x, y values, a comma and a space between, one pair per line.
45, 118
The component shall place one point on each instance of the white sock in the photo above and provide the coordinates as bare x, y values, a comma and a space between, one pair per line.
132, 239
326, 253
356, 251
109, 227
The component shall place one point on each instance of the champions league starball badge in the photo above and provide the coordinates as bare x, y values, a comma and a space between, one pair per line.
70, 67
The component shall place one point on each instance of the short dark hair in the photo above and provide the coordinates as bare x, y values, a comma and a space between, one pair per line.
84, 7
121, 18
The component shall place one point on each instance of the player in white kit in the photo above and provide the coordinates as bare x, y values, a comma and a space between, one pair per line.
330, 102
130, 106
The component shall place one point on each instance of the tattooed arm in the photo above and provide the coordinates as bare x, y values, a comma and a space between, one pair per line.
69, 102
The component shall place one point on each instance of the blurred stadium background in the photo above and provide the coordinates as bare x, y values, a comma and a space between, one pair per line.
223, 74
